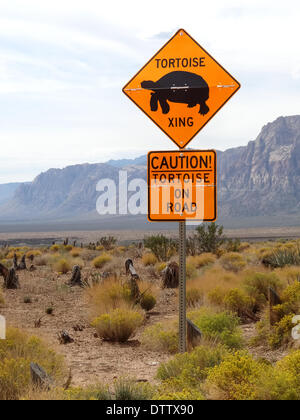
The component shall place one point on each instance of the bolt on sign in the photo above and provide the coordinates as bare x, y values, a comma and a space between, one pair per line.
182, 185
181, 88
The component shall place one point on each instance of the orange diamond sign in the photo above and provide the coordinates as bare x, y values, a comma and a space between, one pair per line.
181, 88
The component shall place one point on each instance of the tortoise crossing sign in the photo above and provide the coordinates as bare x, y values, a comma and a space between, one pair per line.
181, 88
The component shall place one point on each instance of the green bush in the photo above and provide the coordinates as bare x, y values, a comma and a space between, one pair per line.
161, 246
209, 237
128, 390
192, 368
221, 327
235, 300
233, 245
257, 286
119, 325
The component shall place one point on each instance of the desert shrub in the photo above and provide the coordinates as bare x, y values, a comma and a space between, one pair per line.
55, 248
11, 254
282, 256
192, 368
75, 252
221, 327
281, 332
291, 365
236, 378
96, 392
209, 237
33, 253
257, 286
49, 310
149, 259
67, 248
100, 248
99, 262
129, 390
27, 299
204, 259
232, 262
236, 300
119, 325
77, 261
233, 245
108, 242
290, 301
16, 354
161, 337
62, 266
147, 301
108, 296
289, 274
216, 296
161, 246
41, 261
191, 271
174, 391
194, 297
6, 263
2, 301
192, 246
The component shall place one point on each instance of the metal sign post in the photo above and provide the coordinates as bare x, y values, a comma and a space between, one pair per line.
182, 287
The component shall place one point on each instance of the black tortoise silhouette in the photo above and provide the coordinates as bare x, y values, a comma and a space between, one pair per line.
180, 87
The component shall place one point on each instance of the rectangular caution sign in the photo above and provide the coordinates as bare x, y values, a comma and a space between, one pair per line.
182, 185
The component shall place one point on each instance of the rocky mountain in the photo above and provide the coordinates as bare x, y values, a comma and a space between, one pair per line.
7, 191
261, 179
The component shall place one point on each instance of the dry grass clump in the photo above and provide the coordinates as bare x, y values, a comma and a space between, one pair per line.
99, 262
161, 337
75, 252
233, 261
119, 325
62, 265
218, 277
194, 297
288, 274
149, 259
108, 296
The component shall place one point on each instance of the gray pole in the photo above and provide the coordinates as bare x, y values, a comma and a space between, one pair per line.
182, 287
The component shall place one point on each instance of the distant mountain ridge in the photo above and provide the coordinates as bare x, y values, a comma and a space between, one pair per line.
261, 179
7, 191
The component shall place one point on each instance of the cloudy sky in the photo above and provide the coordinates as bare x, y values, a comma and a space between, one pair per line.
63, 64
